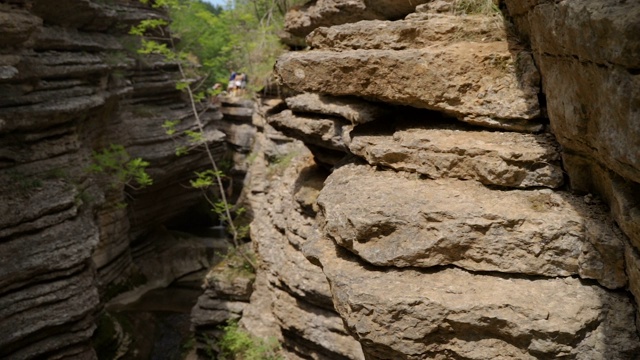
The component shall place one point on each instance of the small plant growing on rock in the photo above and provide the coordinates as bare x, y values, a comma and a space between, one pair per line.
237, 344
116, 162
156, 39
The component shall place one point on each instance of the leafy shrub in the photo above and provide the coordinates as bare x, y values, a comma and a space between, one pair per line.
237, 344
116, 162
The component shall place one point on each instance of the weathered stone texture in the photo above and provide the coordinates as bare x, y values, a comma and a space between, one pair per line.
321, 131
355, 110
589, 55
292, 300
442, 150
475, 82
444, 244
69, 88
442, 222
451, 313
301, 21
408, 34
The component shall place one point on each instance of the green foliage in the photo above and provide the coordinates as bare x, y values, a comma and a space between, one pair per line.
170, 126
243, 37
278, 164
205, 179
116, 162
237, 344
194, 137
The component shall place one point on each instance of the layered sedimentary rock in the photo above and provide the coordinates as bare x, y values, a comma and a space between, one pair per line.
291, 300
591, 81
452, 313
478, 77
70, 85
302, 20
442, 239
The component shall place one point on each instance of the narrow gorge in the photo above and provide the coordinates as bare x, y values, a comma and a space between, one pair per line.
445, 179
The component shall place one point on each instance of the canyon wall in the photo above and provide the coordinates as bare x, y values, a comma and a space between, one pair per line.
71, 83
440, 181
466, 188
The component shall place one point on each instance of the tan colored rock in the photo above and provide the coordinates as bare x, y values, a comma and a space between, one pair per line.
451, 313
355, 110
578, 95
613, 35
475, 82
301, 21
439, 151
450, 222
309, 328
622, 196
408, 34
325, 132
237, 112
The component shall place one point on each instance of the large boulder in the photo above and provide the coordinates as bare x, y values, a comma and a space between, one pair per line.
452, 313
450, 222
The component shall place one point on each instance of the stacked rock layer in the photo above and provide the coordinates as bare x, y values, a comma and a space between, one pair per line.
72, 84
446, 229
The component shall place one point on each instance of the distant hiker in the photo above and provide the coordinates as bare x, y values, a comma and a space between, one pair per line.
245, 80
232, 82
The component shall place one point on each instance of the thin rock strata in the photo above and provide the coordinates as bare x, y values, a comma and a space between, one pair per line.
463, 70
71, 86
446, 228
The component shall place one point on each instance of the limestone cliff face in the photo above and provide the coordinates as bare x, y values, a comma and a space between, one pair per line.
70, 84
446, 229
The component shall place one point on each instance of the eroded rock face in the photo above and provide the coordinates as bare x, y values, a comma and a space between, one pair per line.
474, 82
301, 21
446, 240
355, 110
451, 313
291, 299
443, 222
462, 67
591, 84
446, 150
70, 87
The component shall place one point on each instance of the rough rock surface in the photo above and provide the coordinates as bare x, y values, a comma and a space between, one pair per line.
475, 82
70, 87
448, 313
321, 131
301, 21
443, 222
441, 150
591, 84
445, 240
291, 300
355, 110
463, 67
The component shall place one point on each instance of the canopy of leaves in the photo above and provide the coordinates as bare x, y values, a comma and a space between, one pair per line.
241, 36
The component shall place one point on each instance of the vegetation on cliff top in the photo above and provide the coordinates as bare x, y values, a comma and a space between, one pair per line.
241, 36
